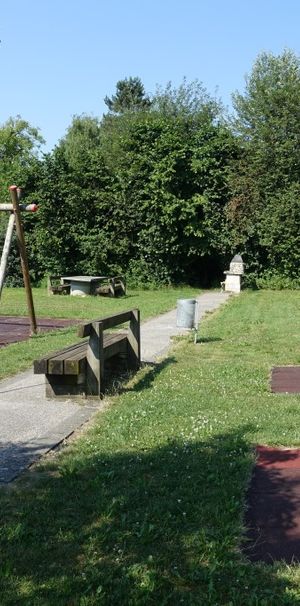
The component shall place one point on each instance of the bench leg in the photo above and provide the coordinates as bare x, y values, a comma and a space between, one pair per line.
95, 361
134, 341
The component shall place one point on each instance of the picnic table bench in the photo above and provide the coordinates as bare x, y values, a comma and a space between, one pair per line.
56, 287
112, 287
95, 285
80, 369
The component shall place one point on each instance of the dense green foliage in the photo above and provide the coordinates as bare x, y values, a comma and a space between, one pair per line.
164, 189
19, 164
19, 143
265, 208
142, 193
130, 96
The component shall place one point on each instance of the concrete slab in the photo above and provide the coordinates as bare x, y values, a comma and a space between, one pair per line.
31, 424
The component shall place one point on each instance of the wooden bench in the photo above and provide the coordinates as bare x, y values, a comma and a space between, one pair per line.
56, 287
111, 287
80, 369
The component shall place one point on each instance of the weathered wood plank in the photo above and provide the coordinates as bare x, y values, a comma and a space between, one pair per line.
115, 346
134, 340
64, 360
107, 322
95, 360
56, 364
76, 364
40, 366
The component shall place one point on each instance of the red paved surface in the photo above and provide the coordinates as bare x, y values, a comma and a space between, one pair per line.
278, 458
14, 329
285, 379
273, 506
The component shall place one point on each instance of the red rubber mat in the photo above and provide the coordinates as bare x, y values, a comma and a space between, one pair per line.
17, 328
285, 379
273, 507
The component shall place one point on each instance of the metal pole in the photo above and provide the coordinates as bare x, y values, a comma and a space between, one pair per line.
23, 255
6, 247
196, 325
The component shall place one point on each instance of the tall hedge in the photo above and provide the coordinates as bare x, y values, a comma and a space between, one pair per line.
141, 193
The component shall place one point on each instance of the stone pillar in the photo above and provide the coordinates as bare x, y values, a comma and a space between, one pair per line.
233, 276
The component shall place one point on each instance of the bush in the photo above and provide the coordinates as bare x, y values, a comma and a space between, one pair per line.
142, 274
271, 280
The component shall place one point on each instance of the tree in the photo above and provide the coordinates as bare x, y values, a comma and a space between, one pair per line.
280, 232
78, 199
82, 138
267, 124
130, 96
171, 165
142, 192
19, 147
188, 99
268, 119
19, 164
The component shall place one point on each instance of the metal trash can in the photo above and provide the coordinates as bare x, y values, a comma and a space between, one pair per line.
186, 313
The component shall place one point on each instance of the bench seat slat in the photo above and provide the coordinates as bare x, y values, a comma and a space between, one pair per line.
41, 366
56, 364
76, 364
72, 359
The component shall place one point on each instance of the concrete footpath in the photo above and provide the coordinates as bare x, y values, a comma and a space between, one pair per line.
31, 425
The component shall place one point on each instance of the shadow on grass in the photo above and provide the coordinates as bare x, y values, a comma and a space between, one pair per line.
15, 457
208, 339
157, 526
117, 376
152, 370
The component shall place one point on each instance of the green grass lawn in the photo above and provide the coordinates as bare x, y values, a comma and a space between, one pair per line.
19, 356
150, 302
146, 507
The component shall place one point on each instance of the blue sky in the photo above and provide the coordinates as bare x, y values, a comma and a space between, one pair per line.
59, 58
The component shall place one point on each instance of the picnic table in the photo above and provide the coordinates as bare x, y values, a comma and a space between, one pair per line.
92, 285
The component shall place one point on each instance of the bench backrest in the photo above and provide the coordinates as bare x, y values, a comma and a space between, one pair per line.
95, 354
84, 330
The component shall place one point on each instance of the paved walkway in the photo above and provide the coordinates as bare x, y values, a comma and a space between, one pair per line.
30, 424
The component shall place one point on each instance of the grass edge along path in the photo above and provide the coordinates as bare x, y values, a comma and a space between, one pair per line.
147, 506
